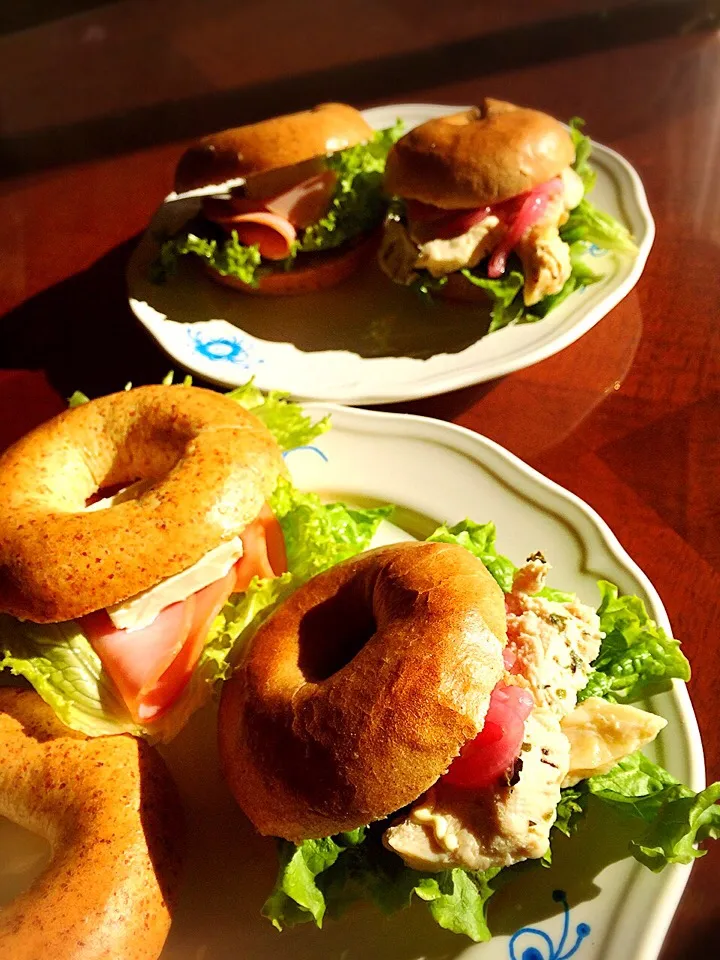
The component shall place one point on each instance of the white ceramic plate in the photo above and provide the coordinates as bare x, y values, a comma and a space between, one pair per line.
368, 340
434, 472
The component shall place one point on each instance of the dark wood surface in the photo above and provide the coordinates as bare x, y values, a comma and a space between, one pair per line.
628, 417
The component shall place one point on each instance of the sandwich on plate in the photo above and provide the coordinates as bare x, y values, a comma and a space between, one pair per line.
304, 208
421, 720
491, 204
141, 536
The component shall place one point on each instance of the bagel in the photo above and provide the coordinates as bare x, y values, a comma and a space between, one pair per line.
478, 157
383, 664
111, 814
301, 215
212, 465
271, 144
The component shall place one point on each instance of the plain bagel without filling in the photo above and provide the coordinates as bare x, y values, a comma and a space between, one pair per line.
111, 813
355, 696
212, 463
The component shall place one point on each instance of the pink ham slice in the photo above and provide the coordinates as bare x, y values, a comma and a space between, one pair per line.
151, 667
136, 660
273, 235
307, 202
272, 222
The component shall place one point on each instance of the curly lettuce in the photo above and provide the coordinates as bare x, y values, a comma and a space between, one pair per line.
358, 203
225, 254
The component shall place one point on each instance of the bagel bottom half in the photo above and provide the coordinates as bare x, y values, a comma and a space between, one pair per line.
355, 696
317, 271
110, 811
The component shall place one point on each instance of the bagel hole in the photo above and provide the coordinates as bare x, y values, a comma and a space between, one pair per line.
127, 490
332, 633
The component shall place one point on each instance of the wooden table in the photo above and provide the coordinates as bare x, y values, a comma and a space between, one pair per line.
628, 417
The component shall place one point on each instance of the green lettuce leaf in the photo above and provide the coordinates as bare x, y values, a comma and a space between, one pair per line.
479, 539
506, 294
572, 806
297, 897
636, 654
358, 204
77, 399
227, 255
569, 810
678, 818
57, 659
588, 225
326, 876
318, 535
286, 420
583, 149
458, 900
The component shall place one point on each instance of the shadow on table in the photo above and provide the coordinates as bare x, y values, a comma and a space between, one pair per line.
82, 333
366, 315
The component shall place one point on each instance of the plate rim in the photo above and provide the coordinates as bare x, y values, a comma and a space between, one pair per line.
465, 441
456, 378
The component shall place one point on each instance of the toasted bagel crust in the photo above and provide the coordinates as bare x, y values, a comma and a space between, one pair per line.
111, 813
271, 144
478, 157
214, 465
311, 747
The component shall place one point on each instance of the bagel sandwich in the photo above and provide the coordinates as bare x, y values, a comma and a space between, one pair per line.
424, 717
306, 212
142, 536
490, 204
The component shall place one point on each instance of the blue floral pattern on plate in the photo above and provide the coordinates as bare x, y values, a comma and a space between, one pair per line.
537, 942
229, 348
316, 450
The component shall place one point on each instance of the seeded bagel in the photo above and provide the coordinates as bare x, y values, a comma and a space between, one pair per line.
212, 465
110, 811
355, 696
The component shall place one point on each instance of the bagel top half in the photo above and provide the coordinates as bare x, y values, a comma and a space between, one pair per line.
257, 148
355, 696
211, 466
479, 157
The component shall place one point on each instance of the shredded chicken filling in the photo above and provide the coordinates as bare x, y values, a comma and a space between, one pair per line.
555, 644
544, 255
